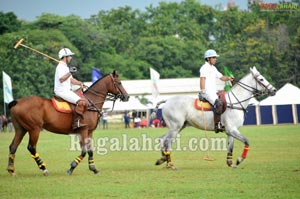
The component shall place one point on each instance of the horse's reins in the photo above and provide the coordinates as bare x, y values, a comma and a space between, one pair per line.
248, 88
108, 97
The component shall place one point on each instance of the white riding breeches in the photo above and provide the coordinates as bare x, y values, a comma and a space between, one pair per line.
68, 95
210, 97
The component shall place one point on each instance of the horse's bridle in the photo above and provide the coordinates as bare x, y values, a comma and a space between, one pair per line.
251, 89
108, 97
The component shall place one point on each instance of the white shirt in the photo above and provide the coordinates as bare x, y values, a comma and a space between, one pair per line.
61, 70
104, 115
210, 73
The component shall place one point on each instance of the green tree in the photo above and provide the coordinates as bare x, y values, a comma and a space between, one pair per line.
8, 23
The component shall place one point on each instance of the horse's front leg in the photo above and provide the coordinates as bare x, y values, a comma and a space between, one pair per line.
91, 156
236, 134
92, 162
76, 161
83, 144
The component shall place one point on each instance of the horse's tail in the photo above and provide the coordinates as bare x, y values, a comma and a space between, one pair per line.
12, 104
153, 114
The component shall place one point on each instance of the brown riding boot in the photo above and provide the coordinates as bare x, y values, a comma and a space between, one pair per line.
218, 109
80, 108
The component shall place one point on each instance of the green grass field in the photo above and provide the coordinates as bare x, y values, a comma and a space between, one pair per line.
272, 169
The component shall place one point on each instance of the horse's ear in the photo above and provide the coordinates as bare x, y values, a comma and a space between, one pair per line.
254, 70
115, 73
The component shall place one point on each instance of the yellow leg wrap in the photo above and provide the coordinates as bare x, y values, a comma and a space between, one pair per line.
168, 156
77, 160
35, 156
91, 162
42, 165
11, 156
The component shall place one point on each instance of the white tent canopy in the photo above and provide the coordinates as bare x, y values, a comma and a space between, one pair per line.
288, 94
132, 104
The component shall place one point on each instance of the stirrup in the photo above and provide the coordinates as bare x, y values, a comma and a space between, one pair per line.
77, 125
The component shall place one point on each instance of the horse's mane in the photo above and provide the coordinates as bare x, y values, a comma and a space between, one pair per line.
96, 82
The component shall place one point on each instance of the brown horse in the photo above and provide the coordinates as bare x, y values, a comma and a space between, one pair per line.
31, 114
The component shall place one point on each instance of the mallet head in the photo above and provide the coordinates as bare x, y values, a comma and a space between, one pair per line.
19, 43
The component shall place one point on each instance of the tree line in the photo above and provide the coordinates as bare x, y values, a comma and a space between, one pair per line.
171, 38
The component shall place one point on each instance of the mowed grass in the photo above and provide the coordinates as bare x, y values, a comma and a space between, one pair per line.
272, 169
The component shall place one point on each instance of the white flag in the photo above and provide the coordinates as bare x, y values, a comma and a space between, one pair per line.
7, 88
154, 75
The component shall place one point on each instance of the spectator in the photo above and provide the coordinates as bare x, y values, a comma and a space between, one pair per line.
156, 123
137, 122
104, 120
126, 119
144, 123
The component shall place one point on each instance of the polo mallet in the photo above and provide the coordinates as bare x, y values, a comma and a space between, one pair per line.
73, 69
206, 157
19, 43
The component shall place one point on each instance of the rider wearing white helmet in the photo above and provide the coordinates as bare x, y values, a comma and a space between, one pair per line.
208, 88
62, 86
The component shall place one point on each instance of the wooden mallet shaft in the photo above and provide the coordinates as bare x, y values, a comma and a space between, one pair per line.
19, 43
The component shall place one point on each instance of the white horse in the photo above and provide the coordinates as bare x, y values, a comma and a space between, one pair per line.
179, 112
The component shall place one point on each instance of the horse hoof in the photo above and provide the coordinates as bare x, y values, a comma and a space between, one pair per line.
160, 161
69, 172
234, 166
46, 172
96, 171
239, 160
229, 163
171, 166
12, 173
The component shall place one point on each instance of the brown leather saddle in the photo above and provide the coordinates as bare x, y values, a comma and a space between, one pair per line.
206, 106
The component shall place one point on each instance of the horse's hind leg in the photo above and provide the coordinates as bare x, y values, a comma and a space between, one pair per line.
166, 142
33, 138
19, 134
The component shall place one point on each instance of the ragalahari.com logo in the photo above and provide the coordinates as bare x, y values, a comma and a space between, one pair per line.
281, 6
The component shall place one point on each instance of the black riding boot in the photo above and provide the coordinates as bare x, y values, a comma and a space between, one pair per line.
78, 115
218, 109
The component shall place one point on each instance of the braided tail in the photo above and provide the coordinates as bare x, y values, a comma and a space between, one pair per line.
153, 114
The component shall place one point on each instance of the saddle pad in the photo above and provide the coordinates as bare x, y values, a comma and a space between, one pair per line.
61, 106
199, 105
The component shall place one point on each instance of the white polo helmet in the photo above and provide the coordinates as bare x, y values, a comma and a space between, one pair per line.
65, 52
210, 53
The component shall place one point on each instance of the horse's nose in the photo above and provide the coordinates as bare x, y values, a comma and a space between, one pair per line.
273, 92
125, 98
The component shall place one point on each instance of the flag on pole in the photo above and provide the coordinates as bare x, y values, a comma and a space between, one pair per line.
154, 75
96, 74
7, 88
